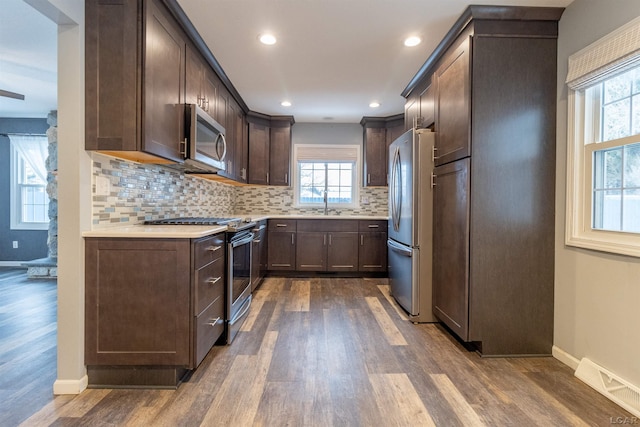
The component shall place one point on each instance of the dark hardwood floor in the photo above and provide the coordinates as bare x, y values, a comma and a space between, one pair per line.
313, 352
27, 344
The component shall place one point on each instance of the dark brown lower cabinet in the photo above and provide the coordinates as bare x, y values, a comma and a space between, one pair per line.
372, 255
153, 308
311, 251
328, 245
282, 244
451, 246
342, 251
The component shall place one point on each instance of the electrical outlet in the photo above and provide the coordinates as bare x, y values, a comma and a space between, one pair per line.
364, 200
15, 244
103, 186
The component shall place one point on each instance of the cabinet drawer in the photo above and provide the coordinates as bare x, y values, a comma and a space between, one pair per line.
328, 225
208, 249
372, 225
209, 326
209, 282
282, 225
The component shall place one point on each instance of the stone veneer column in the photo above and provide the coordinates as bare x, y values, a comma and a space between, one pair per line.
52, 189
48, 267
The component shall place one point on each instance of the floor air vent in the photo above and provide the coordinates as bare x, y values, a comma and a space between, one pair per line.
613, 387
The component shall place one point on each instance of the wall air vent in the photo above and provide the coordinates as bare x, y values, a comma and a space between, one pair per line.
610, 385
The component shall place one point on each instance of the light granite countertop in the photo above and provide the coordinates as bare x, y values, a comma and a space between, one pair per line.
259, 217
157, 231
197, 231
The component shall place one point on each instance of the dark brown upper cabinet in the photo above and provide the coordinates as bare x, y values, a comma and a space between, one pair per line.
201, 86
269, 149
453, 108
378, 134
419, 109
144, 61
134, 77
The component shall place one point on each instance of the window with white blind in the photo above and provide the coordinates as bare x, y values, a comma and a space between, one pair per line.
29, 200
329, 171
603, 159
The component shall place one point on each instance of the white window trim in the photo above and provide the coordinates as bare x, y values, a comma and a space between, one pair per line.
579, 231
356, 179
16, 199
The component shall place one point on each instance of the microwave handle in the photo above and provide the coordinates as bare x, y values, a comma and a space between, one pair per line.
224, 146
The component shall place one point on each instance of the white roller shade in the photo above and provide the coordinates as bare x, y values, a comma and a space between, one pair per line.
327, 153
612, 54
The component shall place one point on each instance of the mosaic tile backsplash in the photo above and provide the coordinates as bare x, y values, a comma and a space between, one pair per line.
140, 192
280, 200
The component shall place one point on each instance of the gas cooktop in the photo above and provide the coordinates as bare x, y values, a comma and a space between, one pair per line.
193, 221
233, 224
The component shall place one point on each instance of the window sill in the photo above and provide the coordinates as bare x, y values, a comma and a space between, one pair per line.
624, 244
30, 227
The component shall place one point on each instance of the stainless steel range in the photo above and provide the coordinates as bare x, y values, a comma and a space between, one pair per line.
239, 237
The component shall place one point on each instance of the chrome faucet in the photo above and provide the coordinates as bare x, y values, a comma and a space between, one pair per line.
326, 206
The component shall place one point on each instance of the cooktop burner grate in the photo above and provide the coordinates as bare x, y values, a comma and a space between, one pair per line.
193, 221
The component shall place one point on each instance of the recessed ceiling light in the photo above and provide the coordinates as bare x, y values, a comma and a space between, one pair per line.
285, 104
412, 41
374, 104
268, 39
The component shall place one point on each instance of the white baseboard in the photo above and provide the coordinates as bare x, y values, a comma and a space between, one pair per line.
565, 357
70, 386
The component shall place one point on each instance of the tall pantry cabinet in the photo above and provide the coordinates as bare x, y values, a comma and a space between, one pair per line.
495, 95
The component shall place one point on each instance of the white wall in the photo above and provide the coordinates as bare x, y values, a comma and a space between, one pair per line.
74, 191
596, 294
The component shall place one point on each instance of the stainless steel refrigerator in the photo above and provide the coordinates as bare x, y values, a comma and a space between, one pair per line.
410, 222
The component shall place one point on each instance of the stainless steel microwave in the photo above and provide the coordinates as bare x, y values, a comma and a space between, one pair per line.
206, 145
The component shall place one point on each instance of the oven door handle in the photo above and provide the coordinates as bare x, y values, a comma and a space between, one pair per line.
245, 307
243, 241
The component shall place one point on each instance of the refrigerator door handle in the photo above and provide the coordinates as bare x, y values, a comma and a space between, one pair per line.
401, 249
396, 188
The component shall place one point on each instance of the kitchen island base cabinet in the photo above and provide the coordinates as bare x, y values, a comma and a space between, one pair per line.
153, 308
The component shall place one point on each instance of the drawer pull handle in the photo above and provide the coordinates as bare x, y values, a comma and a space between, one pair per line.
213, 280
373, 226
213, 248
281, 225
213, 322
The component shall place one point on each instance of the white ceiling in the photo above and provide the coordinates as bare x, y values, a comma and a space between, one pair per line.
28, 60
333, 57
